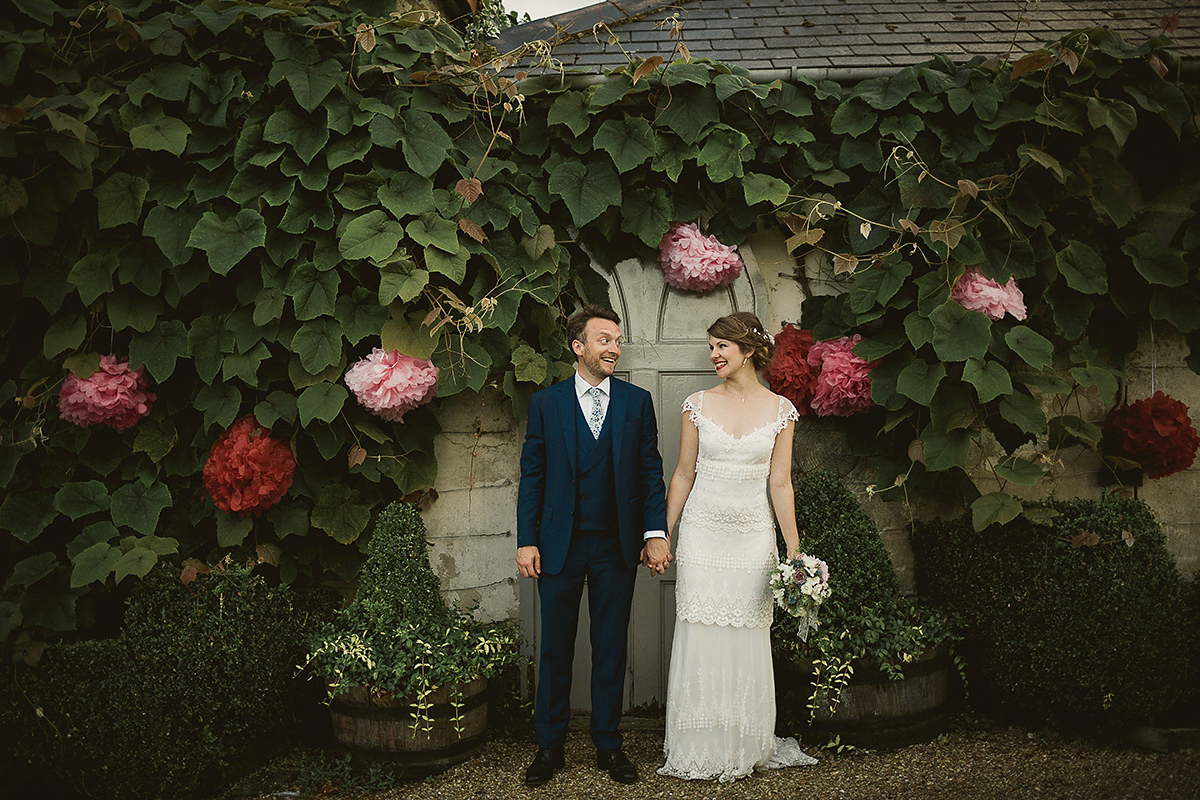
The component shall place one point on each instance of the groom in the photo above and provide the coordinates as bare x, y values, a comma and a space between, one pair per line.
590, 506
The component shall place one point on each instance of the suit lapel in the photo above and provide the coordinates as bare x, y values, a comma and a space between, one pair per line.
567, 409
617, 406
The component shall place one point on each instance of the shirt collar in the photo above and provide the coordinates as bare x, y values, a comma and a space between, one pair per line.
582, 386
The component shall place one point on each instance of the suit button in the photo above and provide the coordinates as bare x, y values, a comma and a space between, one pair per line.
584, 497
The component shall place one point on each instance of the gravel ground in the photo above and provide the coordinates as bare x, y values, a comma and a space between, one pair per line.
973, 759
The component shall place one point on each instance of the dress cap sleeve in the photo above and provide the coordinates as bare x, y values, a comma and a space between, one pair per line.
692, 405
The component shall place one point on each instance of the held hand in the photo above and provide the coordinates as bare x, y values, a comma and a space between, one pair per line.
657, 555
529, 561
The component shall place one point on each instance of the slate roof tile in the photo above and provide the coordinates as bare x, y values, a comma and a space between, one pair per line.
847, 35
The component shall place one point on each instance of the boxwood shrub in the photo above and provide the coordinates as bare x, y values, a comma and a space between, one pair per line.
200, 675
1083, 619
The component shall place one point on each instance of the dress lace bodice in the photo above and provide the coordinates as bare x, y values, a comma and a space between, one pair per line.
727, 534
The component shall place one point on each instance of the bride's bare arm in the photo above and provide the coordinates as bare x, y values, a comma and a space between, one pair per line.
685, 471
783, 497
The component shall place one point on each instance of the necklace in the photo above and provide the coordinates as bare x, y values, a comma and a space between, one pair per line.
742, 398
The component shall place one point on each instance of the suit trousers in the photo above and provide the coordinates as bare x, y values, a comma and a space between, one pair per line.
594, 558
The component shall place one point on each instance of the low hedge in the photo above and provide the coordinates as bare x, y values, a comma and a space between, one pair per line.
199, 675
1085, 618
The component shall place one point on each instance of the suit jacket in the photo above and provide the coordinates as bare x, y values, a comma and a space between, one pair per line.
549, 467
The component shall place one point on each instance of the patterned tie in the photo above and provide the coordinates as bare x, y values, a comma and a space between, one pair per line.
595, 421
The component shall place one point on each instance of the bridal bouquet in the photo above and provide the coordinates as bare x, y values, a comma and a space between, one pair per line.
800, 585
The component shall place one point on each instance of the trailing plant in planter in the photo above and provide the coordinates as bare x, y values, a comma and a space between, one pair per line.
866, 620
398, 637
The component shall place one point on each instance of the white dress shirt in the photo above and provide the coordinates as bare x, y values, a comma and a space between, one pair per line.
582, 387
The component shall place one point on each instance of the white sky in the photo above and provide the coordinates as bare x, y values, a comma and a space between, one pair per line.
537, 9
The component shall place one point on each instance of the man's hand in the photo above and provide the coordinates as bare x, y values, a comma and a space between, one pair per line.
657, 555
529, 561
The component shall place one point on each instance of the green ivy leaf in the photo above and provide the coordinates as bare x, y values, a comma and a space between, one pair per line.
138, 561
65, 333
26, 514
219, 403
1082, 268
228, 241
338, 514
138, 506
570, 109
919, 380
307, 135
434, 230
321, 401
313, 292
1103, 378
1068, 429
92, 275
407, 195
119, 199
629, 141
289, 519
1117, 116
360, 314
159, 348
1180, 307
1024, 412
689, 112
165, 133
1033, 348
853, 119
946, 449
80, 498
587, 190
1027, 153
318, 343
610, 91
156, 438
94, 564
721, 154
170, 228
888, 91
232, 529
645, 212
528, 364
409, 337
959, 334
132, 310
268, 305
990, 379
453, 267
994, 507
31, 570
277, 406
372, 235
1018, 470
424, 142
1156, 262
758, 188
311, 83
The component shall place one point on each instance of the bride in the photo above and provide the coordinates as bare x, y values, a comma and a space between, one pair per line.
736, 442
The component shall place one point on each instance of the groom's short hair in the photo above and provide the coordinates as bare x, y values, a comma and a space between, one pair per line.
577, 322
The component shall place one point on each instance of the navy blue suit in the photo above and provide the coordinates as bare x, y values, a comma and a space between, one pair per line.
586, 504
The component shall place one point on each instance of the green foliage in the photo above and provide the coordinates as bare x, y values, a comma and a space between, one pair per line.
865, 616
200, 675
1084, 618
398, 635
246, 199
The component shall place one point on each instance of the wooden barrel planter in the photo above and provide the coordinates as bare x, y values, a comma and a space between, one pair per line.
879, 713
378, 726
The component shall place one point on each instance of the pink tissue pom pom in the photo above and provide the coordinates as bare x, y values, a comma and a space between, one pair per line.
975, 291
113, 395
696, 262
844, 383
391, 383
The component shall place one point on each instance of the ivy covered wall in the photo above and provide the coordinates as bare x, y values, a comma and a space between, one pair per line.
244, 199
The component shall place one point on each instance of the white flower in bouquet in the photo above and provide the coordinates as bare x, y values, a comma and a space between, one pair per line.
799, 586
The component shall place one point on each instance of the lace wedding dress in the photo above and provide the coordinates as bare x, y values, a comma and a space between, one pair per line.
721, 688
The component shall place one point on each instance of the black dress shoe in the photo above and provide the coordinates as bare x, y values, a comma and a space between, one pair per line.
544, 763
619, 768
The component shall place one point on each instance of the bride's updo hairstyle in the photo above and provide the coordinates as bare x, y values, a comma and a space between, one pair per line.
744, 329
